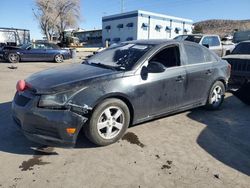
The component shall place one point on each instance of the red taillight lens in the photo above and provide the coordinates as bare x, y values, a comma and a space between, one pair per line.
21, 85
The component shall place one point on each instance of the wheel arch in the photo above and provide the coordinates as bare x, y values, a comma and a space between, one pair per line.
121, 97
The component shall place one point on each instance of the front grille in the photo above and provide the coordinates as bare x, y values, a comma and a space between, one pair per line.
239, 65
21, 100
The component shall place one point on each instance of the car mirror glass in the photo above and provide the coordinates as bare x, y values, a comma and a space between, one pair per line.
155, 67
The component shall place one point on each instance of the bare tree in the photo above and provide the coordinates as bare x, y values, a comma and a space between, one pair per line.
54, 16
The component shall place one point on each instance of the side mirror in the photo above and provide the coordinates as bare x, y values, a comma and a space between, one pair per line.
206, 45
228, 52
155, 67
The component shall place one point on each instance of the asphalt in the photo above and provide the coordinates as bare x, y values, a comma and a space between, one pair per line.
196, 148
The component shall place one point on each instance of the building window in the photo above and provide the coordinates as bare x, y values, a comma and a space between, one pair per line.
119, 26
185, 31
144, 26
130, 24
168, 29
158, 28
116, 40
108, 27
129, 38
177, 30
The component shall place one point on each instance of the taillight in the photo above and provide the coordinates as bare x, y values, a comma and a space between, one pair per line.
229, 68
22, 85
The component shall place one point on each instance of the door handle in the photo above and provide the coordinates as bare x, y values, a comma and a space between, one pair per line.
208, 72
179, 78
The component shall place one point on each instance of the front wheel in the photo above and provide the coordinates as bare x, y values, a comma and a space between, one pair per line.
108, 122
216, 96
59, 58
13, 58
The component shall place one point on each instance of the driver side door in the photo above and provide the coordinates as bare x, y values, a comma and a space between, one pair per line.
35, 52
163, 91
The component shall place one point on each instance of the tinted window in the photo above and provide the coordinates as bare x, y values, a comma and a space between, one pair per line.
242, 48
169, 57
193, 38
195, 54
211, 41
38, 46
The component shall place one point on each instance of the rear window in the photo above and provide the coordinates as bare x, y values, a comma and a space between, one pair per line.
211, 41
242, 48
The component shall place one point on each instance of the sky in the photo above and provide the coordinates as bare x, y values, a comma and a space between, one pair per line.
19, 14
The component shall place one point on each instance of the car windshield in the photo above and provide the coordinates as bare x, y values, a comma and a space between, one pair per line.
242, 48
191, 38
122, 57
24, 46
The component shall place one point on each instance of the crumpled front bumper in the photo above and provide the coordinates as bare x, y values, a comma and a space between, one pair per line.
45, 126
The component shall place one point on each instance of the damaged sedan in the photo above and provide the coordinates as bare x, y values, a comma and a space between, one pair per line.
126, 84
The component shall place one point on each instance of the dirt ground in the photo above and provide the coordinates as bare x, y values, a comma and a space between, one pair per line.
196, 148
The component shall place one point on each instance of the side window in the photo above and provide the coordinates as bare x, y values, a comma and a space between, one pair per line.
209, 57
195, 54
38, 46
169, 57
48, 46
211, 41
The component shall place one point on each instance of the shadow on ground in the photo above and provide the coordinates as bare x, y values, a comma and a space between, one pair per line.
13, 141
227, 133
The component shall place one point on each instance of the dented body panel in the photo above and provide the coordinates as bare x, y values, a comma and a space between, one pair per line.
147, 96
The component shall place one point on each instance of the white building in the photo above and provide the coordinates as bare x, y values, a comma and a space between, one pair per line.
140, 24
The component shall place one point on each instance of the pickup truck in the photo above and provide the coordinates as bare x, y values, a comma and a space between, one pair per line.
213, 42
239, 60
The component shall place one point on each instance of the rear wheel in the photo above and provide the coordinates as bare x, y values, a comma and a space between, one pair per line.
13, 58
108, 122
59, 58
216, 96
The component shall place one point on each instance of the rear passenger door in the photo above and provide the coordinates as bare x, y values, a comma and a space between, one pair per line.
200, 73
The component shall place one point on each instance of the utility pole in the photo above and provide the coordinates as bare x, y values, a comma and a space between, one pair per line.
122, 6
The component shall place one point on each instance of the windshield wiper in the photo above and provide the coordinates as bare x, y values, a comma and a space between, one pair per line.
104, 66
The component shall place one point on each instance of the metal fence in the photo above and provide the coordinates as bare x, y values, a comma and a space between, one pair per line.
14, 36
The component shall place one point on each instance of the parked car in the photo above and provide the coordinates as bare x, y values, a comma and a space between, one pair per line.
212, 42
239, 60
241, 36
127, 84
35, 52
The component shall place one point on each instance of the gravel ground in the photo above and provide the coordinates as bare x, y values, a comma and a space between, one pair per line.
196, 148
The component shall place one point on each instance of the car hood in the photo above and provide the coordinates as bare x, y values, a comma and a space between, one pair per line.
66, 77
237, 56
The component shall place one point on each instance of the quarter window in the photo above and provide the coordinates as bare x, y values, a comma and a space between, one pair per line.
195, 54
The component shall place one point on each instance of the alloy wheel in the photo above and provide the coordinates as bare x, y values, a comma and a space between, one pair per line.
110, 122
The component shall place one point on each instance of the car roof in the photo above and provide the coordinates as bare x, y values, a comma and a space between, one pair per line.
246, 41
198, 34
159, 42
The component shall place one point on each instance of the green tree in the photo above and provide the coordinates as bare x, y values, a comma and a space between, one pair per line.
197, 29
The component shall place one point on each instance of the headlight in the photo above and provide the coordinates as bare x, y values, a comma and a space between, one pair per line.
56, 100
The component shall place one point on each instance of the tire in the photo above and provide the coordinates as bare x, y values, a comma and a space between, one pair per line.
58, 58
13, 58
216, 96
108, 122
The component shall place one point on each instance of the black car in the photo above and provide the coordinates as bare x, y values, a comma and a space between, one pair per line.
239, 59
39, 51
123, 85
